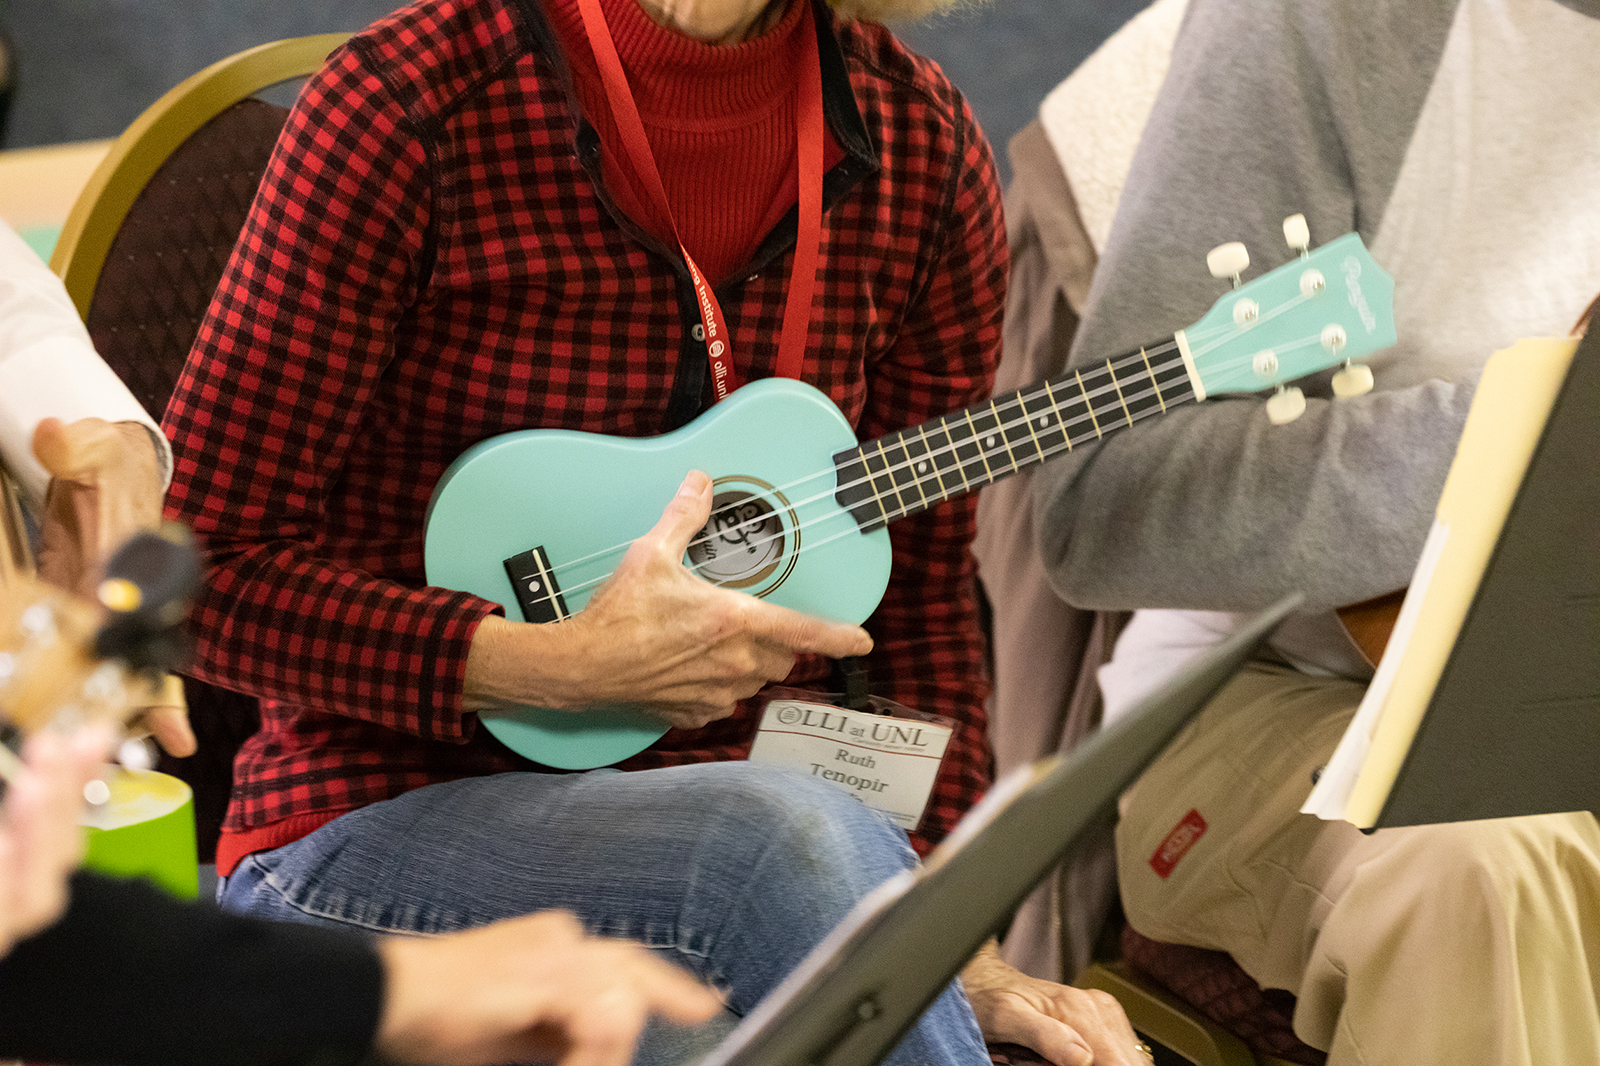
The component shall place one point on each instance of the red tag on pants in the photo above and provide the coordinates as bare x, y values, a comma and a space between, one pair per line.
1190, 829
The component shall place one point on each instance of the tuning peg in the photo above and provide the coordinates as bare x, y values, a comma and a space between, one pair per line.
148, 585
1297, 234
1228, 261
1354, 380
1286, 405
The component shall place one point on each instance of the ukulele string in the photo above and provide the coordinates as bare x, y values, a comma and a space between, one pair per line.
1046, 453
1063, 426
1134, 359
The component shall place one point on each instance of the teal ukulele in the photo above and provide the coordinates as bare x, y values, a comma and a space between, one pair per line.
535, 520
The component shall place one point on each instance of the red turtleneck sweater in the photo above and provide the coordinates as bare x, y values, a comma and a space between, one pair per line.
720, 120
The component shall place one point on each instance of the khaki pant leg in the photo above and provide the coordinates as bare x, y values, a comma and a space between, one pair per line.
1472, 942
1251, 883
1475, 942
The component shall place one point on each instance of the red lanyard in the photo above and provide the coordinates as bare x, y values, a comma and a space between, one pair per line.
808, 240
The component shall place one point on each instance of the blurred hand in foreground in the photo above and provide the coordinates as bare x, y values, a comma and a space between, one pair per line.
40, 843
530, 989
106, 484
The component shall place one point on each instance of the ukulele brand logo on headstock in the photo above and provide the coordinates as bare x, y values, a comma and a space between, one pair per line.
1358, 299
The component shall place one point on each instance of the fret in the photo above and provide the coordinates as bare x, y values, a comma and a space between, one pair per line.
1139, 391
1151, 374
1061, 421
1088, 403
941, 459
914, 445
981, 442
1027, 420
1005, 435
954, 450
887, 468
1112, 373
878, 477
1105, 397
857, 490
1144, 400
905, 477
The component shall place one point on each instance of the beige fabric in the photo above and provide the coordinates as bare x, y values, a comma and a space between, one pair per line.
1046, 653
1362, 927
1045, 697
1095, 117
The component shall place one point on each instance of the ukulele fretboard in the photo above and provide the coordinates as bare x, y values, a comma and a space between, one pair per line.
910, 471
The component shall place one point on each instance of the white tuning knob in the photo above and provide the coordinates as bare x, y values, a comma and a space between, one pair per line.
1297, 234
1228, 261
1354, 380
1286, 405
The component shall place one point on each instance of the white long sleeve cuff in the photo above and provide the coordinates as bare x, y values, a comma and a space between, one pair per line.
48, 366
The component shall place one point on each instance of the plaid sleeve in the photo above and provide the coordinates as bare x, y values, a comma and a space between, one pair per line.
930, 652
289, 355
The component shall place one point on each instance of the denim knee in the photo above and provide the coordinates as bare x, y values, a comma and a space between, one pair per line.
824, 841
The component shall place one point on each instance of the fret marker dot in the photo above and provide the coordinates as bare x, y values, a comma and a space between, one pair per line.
922, 467
1043, 422
533, 586
989, 442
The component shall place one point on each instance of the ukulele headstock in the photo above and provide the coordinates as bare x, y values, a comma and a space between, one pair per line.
63, 657
1325, 309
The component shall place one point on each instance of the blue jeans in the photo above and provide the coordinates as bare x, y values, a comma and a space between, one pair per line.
734, 871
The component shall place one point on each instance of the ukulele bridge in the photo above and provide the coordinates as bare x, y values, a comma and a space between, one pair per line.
537, 591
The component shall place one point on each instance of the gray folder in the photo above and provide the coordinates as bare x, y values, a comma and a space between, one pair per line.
863, 987
1514, 724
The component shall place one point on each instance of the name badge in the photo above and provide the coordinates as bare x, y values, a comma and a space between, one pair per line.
889, 761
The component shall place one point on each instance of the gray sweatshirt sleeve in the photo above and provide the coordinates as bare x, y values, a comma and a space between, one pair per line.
1269, 109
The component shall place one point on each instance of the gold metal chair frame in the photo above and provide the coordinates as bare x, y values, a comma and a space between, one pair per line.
135, 156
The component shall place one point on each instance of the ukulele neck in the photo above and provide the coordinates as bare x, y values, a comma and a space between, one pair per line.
909, 471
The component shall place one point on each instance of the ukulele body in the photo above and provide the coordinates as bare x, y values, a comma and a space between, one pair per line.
567, 504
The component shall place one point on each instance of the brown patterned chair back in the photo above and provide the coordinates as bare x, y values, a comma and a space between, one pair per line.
1213, 983
140, 255
169, 253
153, 290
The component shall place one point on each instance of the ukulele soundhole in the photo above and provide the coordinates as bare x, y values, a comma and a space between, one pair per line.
747, 544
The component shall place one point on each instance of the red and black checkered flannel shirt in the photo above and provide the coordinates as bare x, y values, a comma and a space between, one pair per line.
432, 260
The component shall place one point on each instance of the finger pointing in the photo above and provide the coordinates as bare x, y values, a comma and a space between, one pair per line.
806, 633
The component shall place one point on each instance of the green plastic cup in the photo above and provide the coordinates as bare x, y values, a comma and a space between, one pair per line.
146, 829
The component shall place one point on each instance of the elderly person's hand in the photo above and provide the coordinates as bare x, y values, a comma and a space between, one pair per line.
1068, 1026
106, 484
40, 843
655, 635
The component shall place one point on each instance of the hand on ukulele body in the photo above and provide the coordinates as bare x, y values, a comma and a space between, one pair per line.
40, 843
531, 989
1065, 1025
654, 636
105, 485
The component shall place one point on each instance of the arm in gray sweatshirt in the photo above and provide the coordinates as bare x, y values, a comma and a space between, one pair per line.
1270, 108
